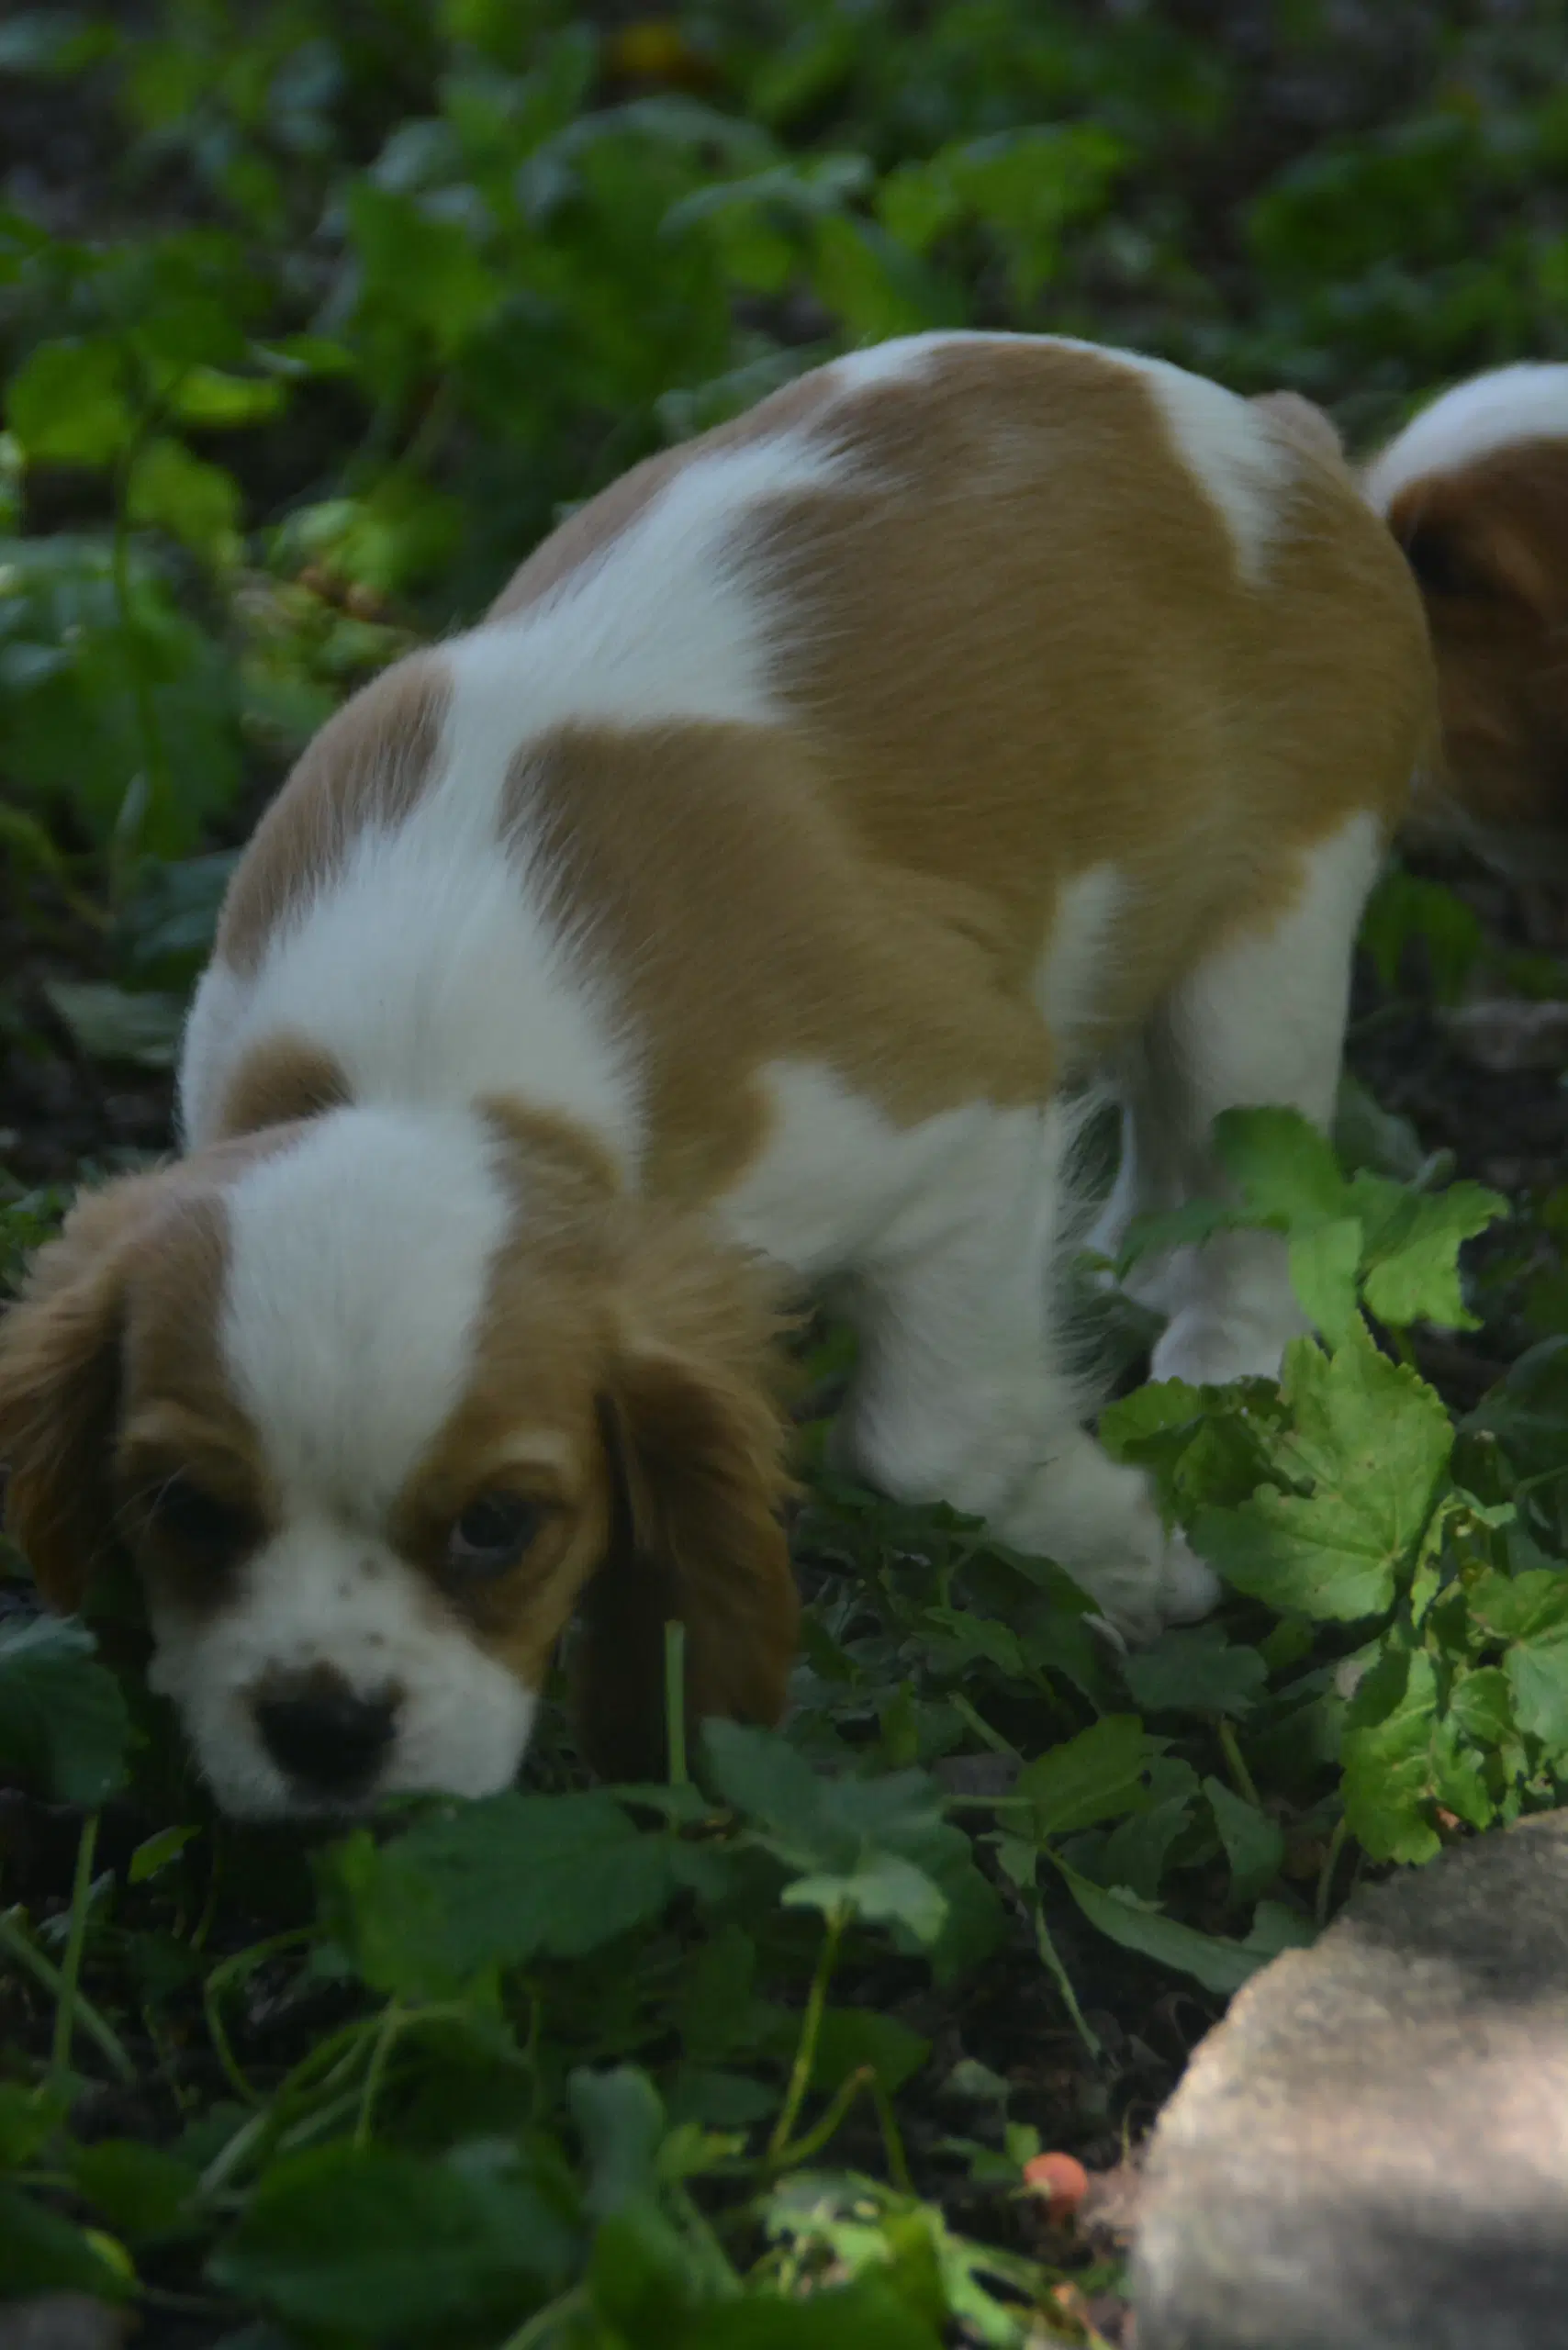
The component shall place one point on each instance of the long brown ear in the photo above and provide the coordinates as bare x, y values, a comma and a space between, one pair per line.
695, 1434
59, 1386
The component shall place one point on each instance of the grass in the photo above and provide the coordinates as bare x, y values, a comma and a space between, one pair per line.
759, 2056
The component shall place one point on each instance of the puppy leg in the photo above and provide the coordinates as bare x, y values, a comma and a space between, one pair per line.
964, 1392
1262, 1020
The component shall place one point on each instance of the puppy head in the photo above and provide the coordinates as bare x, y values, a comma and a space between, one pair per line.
373, 1403
1476, 492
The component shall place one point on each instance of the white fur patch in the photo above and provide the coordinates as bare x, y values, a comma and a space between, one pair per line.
323, 1594
1083, 927
358, 1261
357, 1270
1523, 403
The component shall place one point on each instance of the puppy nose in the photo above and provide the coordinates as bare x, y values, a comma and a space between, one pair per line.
322, 1733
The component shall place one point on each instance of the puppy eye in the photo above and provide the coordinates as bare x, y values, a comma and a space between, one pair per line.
190, 1519
492, 1534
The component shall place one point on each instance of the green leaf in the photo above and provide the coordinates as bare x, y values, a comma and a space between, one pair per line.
67, 405
1217, 1964
1413, 1244
1283, 1167
64, 1729
1323, 1262
157, 1851
1198, 1671
40, 2253
851, 2037
864, 2315
420, 269
28, 2120
1521, 1607
620, 2122
1404, 906
1096, 1775
1538, 1677
213, 397
1390, 1774
195, 502
111, 1023
1372, 1441
881, 1848
376, 2244
498, 1883
1482, 1708
143, 2193
1254, 1843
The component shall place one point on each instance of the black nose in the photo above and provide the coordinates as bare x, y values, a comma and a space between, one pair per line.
322, 1734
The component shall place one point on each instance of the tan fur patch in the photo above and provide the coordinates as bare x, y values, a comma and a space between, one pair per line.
1488, 544
367, 765
278, 1082
1015, 648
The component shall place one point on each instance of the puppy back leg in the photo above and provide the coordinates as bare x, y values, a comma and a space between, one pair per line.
1260, 1020
965, 1391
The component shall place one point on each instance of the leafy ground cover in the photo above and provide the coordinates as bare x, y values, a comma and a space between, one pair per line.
313, 317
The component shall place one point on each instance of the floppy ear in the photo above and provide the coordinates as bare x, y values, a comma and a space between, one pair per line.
59, 1389
695, 1433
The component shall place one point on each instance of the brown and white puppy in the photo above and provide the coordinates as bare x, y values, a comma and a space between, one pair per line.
733, 911
1476, 490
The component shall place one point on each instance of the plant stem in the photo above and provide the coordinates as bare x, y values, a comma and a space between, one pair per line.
790, 2158
1231, 1750
381, 2050
1325, 1874
982, 1728
675, 1703
70, 1973
811, 2027
892, 2139
43, 1970
542, 2325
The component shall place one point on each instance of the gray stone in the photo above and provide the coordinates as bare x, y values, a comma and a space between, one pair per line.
62, 2321
1371, 2152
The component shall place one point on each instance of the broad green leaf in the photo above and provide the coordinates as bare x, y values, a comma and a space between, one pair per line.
1413, 1244
379, 2245
40, 2253
621, 2120
1537, 1676
881, 1848
28, 2118
1198, 1671
195, 502
1404, 906
1219, 1965
214, 398
1390, 1772
142, 2192
1283, 1167
499, 1882
111, 1023
1254, 1843
1521, 1607
1481, 1706
1372, 1442
423, 271
864, 2315
64, 1729
67, 403
851, 2037
1096, 1775
1323, 1262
